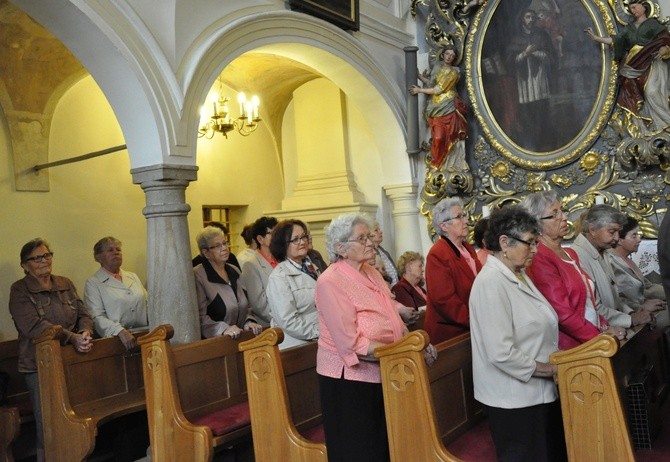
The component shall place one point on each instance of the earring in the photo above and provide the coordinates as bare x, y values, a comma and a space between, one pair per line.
505, 254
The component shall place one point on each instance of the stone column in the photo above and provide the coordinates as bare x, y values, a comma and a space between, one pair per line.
170, 281
405, 214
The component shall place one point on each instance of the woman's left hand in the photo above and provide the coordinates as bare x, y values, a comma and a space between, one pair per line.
408, 314
430, 354
253, 327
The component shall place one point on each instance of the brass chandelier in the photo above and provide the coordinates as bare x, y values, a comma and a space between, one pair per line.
221, 120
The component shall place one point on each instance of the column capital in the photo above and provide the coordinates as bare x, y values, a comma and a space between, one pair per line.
164, 172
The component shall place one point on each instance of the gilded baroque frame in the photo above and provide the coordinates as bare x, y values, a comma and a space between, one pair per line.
599, 16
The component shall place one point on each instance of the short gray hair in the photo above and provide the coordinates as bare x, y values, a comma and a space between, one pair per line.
103, 243
536, 203
442, 209
339, 231
209, 232
601, 215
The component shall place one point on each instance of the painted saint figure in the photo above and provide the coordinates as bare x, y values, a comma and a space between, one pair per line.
643, 50
445, 110
532, 59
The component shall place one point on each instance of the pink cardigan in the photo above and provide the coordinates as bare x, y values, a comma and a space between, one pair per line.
354, 309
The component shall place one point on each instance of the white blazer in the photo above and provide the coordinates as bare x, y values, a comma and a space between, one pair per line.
512, 325
291, 299
115, 305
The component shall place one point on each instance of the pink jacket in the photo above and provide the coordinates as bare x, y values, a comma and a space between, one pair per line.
354, 309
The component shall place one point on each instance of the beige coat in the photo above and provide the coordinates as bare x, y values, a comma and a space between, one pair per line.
512, 325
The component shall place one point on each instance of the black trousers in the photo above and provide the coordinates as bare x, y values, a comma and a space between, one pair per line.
353, 420
529, 434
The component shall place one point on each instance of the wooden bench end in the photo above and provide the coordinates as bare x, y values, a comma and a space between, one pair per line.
52, 333
414, 341
270, 337
162, 332
604, 346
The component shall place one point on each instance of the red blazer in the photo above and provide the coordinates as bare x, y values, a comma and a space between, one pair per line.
406, 294
564, 288
448, 283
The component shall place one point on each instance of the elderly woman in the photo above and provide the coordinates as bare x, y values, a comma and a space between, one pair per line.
116, 299
513, 331
356, 315
633, 287
222, 300
599, 232
292, 283
451, 267
556, 272
409, 290
37, 302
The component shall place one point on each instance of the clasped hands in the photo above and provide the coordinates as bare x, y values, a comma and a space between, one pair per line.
82, 342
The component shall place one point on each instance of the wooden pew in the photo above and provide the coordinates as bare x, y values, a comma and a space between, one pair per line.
195, 394
81, 391
408, 401
275, 434
593, 379
17, 410
451, 384
593, 416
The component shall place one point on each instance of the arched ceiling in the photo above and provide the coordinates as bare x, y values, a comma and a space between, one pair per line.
274, 78
33, 63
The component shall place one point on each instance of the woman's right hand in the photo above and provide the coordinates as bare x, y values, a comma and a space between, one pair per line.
590, 33
82, 342
414, 90
232, 331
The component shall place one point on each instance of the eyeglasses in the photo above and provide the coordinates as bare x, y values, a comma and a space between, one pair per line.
222, 245
296, 240
460, 216
41, 258
530, 244
557, 214
362, 239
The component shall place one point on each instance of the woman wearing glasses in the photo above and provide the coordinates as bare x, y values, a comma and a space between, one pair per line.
451, 267
557, 273
291, 284
356, 315
513, 331
37, 302
222, 300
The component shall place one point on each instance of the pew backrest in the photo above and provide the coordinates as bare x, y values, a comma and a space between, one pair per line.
408, 401
80, 391
274, 433
195, 393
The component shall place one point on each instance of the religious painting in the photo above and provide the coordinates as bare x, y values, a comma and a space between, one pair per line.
342, 13
540, 88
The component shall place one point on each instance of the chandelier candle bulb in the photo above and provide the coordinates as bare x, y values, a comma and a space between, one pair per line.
255, 102
241, 98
